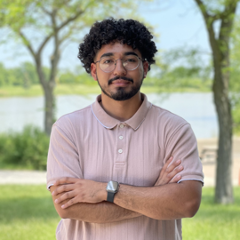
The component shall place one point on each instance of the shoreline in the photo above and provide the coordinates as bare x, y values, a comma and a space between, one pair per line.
84, 89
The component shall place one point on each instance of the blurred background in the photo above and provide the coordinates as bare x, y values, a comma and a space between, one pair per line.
196, 76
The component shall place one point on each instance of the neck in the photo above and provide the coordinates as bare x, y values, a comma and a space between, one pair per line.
121, 110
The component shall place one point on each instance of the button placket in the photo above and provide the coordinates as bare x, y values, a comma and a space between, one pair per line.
121, 152
121, 156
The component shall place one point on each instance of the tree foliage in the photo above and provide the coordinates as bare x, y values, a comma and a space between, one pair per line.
27, 150
25, 76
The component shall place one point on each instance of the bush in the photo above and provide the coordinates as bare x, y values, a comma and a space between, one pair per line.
26, 150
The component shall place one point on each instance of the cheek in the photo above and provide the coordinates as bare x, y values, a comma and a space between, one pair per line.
141, 71
103, 77
140, 74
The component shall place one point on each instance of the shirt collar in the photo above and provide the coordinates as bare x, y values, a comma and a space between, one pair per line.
109, 122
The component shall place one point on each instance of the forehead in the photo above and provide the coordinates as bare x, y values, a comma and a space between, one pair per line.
116, 49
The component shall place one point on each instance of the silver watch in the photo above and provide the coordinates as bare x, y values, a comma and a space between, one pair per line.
112, 189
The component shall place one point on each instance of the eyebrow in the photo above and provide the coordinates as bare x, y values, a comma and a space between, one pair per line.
125, 54
107, 55
130, 53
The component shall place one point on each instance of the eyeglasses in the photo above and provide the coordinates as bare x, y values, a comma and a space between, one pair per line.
129, 62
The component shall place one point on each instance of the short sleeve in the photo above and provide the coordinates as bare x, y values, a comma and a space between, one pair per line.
182, 145
63, 157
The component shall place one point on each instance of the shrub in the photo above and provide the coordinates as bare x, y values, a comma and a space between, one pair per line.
25, 150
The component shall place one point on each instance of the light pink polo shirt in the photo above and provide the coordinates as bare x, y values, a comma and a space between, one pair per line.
90, 144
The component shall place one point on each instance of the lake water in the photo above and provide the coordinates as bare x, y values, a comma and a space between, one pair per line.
197, 108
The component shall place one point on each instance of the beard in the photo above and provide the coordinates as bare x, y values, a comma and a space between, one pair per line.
121, 93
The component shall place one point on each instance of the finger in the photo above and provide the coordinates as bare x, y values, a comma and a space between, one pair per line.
65, 180
69, 203
67, 195
176, 179
167, 163
175, 172
173, 166
63, 188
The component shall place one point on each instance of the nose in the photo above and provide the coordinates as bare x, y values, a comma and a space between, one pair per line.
119, 69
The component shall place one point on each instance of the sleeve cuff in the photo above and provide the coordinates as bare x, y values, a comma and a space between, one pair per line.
187, 179
49, 185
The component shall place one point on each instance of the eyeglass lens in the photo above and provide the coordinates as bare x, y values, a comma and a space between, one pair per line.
108, 64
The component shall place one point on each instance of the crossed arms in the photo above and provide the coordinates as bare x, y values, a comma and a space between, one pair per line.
85, 200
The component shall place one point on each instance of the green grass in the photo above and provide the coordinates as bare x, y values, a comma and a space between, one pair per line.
12, 91
36, 90
80, 89
214, 221
27, 213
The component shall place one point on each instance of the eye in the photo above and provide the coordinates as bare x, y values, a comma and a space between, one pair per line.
131, 59
107, 61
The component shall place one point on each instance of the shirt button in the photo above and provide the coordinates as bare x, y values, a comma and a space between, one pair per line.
121, 126
120, 150
120, 137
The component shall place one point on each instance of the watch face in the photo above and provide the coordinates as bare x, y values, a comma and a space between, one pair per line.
112, 186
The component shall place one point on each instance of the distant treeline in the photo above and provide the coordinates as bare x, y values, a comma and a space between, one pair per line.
25, 75
180, 77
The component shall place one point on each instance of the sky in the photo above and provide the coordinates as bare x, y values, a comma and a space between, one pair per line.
178, 23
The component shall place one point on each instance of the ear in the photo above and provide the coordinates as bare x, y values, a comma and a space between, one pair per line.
145, 68
94, 71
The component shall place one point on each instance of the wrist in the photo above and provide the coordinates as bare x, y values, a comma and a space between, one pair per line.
103, 192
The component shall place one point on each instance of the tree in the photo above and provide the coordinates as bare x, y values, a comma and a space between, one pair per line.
223, 12
40, 23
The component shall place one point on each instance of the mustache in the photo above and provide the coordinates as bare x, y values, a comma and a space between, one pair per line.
118, 77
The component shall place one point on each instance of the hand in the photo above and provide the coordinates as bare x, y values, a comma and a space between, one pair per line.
79, 190
168, 173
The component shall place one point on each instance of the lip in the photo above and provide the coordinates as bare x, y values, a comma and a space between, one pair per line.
121, 82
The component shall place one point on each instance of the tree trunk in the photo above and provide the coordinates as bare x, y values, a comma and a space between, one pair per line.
49, 99
220, 54
223, 190
49, 110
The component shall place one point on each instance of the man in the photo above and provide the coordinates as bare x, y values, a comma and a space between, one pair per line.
112, 166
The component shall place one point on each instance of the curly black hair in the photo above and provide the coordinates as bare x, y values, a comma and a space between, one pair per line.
130, 32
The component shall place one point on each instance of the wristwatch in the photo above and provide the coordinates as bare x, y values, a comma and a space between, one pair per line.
112, 189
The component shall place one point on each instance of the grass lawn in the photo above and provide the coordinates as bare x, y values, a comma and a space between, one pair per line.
81, 89
213, 221
36, 90
27, 213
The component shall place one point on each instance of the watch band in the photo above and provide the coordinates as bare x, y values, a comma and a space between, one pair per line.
110, 196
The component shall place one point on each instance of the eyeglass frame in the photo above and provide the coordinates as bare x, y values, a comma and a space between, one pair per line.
115, 63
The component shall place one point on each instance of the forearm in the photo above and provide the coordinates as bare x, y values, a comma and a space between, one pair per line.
98, 213
172, 201
103, 212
